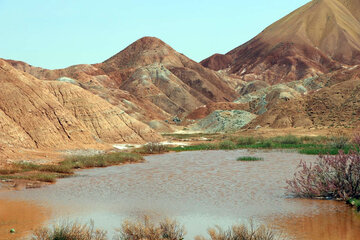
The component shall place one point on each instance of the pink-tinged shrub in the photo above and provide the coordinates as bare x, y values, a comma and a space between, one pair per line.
335, 176
356, 140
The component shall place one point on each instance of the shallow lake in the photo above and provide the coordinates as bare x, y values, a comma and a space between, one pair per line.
200, 190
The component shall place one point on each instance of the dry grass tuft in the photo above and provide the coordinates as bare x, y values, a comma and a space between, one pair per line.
242, 232
70, 231
147, 230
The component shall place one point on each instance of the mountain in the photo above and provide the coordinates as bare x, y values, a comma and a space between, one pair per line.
319, 37
38, 114
148, 80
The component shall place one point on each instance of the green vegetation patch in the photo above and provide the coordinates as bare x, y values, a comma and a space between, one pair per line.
198, 147
101, 160
42, 177
304, 145
227, 145
49, 173
354, 202
249, 159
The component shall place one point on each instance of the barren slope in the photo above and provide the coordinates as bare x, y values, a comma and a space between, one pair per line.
314, 39
49, 114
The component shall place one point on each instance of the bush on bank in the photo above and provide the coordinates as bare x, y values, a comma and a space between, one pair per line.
331, 176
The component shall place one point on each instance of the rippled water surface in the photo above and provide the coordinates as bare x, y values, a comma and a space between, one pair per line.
199, 189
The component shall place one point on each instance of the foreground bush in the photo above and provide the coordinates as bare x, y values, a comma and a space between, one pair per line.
242, 232
70, 231
147, 230
336, 176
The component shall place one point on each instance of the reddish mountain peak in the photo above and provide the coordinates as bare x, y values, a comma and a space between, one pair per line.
145, 46
146, 43
142, 52
149, 42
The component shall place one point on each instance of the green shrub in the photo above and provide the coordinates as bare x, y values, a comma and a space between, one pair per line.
288, 139
354, 202
227, 145
267, 144
339, 142
246, 141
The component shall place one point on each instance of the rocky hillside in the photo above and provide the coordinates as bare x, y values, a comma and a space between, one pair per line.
317, 38
329, 101
40, 114
148, 80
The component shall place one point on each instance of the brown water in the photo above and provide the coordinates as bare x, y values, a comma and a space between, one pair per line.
24, 217
199, 189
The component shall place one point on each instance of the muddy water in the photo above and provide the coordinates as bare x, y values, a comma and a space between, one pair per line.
199, 189
24, 217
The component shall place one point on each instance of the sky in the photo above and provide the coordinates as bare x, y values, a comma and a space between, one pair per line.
59, 33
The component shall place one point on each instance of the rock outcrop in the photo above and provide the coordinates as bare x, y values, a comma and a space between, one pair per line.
224, 121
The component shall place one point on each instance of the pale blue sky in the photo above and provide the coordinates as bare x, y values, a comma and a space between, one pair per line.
60, 33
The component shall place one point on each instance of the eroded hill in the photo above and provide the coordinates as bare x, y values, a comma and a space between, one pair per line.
53, 114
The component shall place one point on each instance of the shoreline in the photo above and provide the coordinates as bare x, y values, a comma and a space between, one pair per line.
303, 145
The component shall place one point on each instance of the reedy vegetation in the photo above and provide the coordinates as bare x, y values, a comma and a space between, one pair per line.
304, 145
